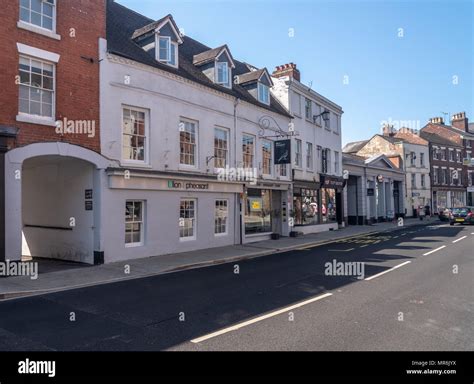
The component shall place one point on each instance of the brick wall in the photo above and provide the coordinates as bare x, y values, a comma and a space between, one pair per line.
77, 79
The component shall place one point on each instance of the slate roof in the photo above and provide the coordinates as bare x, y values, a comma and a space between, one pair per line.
355, 146
251, 76
434, 138
122, 24
411, 138
209, 55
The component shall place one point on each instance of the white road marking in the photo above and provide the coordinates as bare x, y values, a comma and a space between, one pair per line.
434, 250
341, 250
387, 271
461, 238
257, 319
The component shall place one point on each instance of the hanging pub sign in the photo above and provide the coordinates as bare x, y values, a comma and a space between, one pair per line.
282, 152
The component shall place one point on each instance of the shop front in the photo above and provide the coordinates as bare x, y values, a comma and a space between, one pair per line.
331, 199
306, 204
448, 198
265, 211
317, 207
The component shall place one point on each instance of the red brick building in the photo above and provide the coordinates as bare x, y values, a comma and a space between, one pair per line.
450, 147
50, 73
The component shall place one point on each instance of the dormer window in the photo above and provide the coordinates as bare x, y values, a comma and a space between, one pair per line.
164, 52
167, 51
217, 65
257, 83
223, 74
161, 39
263, 93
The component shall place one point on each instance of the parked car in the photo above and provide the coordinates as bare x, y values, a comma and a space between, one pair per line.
444, 214
464, 215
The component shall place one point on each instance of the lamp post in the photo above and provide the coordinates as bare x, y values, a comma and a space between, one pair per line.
326, 115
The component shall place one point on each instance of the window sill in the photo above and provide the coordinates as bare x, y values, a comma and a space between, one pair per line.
32, 119
126, 164
39, 30
134, 245
187, 239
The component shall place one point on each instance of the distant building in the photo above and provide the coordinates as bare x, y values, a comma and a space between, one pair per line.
374, 191
409, 153
452, 173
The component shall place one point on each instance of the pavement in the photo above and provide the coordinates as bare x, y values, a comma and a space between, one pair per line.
57, 276
416, 294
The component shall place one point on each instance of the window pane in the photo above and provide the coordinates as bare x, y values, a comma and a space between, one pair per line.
48, 9
24, 106
36, 18
36, 5
35, 108
24, 15
47, 23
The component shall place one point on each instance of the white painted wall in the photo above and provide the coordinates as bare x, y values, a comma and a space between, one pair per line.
168, 98
53, 193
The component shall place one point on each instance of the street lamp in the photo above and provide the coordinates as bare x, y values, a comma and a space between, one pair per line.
326, 115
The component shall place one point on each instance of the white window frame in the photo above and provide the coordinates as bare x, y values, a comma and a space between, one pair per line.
309, 156
147, 137
227, 149
254, 139
310, 117
158, 49
143, 224
261, 87
194, 220
436, 175
174, 49
226, 225
413, 181
271, 157
298, 153
422, 159
28, 25
38, 119
423, 181
336, 162
196, 152
226, 70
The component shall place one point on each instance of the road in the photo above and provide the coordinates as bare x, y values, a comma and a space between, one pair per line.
283, 302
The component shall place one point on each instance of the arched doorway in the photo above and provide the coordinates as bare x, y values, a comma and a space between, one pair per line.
53, 202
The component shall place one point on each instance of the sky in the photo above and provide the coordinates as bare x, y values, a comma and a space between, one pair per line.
401, 62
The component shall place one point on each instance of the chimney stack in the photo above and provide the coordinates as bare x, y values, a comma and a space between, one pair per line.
460, 121
389, 130
437, 120
287, 70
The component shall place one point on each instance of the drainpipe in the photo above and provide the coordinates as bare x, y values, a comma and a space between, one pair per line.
239, 200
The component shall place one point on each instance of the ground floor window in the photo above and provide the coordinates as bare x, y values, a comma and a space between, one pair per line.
458, 199
258, 209
328, 205
306, 205
187, 219
134, 223
441, 200
221, 216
